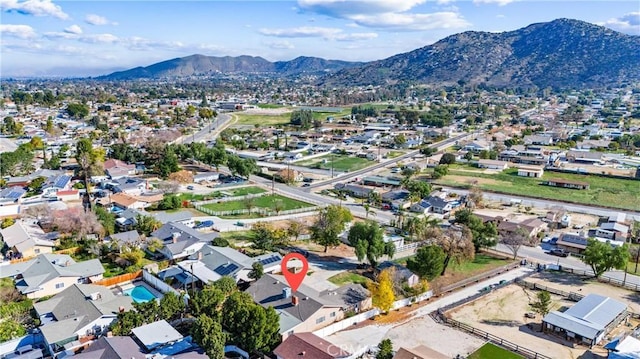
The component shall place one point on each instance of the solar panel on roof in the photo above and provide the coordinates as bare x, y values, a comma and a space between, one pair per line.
269, 260
226, 269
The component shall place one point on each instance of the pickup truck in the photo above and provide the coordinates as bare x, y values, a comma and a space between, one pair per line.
559, 252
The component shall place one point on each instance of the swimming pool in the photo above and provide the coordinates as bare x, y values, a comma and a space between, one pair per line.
139, 294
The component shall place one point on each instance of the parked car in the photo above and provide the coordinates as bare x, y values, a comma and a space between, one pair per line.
190, 188
559, 252
203, 224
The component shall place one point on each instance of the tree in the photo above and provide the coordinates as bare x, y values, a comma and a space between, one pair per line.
90, 162
440, 171
10, 329
448, 159
250, 326
207, 301
302, 118
385, 349
602, 256
77, 110
171, 306
542, 304
329, 224
169, 201
77, 222
146, 224
428, 262
368, 240
294, 229
257, 271
265, 237
382, 290
168, 163
127, 321
514, 240
399, 140
483, 234
475, 198
368, 210
107, 219
456, 244
420, 189
207, 332
7, 222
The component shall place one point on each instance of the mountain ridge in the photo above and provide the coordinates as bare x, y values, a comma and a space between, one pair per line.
560, 53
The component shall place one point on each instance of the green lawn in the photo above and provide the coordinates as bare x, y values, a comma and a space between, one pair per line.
481, 262
282, 119
394, 154
347, 278
242, 191
491, 351
611, 192
341, 163
269, 105
266, 201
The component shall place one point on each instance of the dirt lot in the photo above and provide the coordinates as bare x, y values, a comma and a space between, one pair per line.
501, 313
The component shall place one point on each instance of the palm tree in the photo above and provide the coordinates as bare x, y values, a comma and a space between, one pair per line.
368, 210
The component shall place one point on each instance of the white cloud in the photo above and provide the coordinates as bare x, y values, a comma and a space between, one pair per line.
500, 16
86, 38
93, 19
497, 2
444, 2
346, 8
34, 7
628, 23
327, 33
20, 31
410, 22
388, 14
73, 29
279, 45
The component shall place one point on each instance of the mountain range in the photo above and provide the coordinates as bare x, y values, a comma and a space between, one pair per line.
559, 53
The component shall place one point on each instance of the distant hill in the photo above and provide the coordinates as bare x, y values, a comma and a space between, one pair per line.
201, 65
560, 53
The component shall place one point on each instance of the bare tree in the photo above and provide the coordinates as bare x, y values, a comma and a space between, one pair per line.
41, 212
475, 198
76, 221
514, 239
457, 244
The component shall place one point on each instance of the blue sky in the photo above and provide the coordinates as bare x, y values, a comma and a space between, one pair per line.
86, 38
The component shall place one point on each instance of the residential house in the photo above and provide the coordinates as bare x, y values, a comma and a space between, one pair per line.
124, 201
25, 239
477, 146
129, 185
588, 321
538, 140
118, 347
130, 239
181, 241
563, 183
126, 220
396, 199
117, 169
441, 205
305, 311
402, 274
355, 190
531, 171
49, 274
422, 207
613, 231
206, 177
11, 195
586, 157
211, 263
79, 311
573, 243
623, 348
308, 345
54, 184
184, 217
592, 144
380, 181
493, 164
156, 334
531, 227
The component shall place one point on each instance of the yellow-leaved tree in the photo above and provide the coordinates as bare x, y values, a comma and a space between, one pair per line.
381, 290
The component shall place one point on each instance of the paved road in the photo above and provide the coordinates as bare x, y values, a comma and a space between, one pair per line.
537, 254
359, 173
305, 170
210, 131
543, 203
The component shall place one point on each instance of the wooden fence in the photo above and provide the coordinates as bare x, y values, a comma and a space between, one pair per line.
261, 211
478, 278
127, 277
527, 353
575, 297
72, 250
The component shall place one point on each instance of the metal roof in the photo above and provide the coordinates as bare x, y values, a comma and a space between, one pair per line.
588, 317
156, 334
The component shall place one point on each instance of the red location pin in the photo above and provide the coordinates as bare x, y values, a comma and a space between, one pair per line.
294, 279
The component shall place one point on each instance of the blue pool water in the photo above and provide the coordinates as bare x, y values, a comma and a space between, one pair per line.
139, 294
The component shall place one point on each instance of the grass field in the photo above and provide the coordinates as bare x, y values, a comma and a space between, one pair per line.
281, 119
491, 351
394, 154
341, 163
241, 191
347, 278
611, 192
266, 202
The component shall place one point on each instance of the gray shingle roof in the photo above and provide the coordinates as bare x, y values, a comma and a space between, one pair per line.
112, 348
184, 232
73, 309
46, 267
128, 237
156, 334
